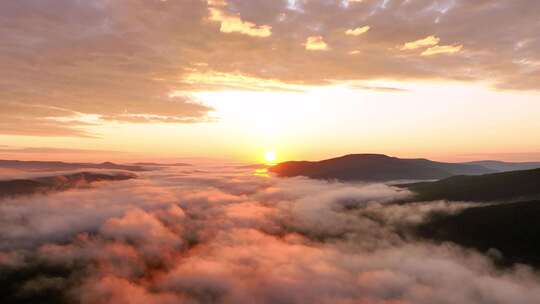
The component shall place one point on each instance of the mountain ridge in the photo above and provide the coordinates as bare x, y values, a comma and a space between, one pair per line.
501, 186
56, 183
510, 231
375, 167
502, 166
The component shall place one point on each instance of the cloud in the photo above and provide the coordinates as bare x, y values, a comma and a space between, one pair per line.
65, 73
70, 67
428, 41
377, 88
442, 49
49, 150
316, 43
233, 24
222, 235
122, 290
212, 80
139, 227
431, 42
357, 31
44, 127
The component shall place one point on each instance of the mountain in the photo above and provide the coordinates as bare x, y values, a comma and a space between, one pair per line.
374, 167
63, 166
513, 229
500, 166
17, 187
514, 185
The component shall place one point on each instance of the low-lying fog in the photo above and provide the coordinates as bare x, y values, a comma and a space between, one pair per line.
221, 234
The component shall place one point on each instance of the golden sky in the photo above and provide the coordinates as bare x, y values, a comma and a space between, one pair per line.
234, 79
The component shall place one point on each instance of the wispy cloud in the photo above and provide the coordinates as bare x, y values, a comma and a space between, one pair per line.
442, 49
377, 88
49, 150
212, 80
420, 43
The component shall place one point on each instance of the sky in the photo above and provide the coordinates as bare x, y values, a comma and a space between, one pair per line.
125, 80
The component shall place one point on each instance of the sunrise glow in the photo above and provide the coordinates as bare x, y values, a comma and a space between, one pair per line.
270, 157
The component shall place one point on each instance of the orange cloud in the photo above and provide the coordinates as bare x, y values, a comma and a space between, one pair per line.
213, 80
316, 43
357, 31
442, 49
233, 24
428, 41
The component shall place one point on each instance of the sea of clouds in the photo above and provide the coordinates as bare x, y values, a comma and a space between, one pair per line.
221, 234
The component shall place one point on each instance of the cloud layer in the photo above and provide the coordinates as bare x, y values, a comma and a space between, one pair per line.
68, 65
218, 234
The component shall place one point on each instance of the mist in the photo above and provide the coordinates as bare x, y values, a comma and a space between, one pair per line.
220, 234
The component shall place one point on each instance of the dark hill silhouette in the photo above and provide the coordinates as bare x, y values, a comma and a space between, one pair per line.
514, 185
513, 229
17, 187
374, 167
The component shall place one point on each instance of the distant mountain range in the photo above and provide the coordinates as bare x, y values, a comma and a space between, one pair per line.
512, 226
55, 183
63, 166
375, 167
505, 186
378, 167
500, 166
163, 165
508, 231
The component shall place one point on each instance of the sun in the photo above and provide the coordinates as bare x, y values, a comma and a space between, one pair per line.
270, 157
